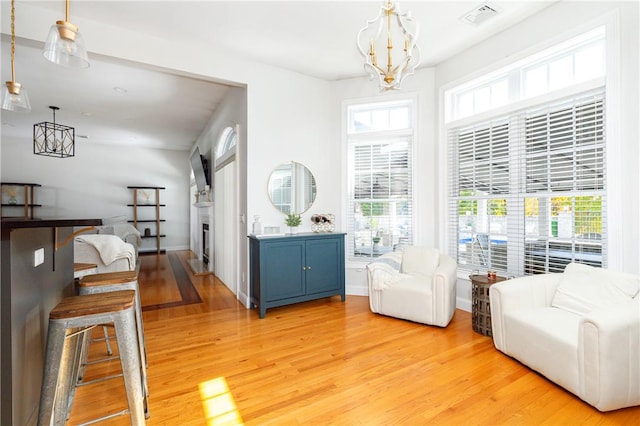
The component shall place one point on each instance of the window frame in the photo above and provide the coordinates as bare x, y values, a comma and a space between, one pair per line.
411, 99
613, 98
225, 149
515, 73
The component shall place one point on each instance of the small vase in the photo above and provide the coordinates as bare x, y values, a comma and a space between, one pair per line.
12, 200
293, 230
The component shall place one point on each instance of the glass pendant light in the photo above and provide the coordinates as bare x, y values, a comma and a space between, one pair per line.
65, 45
14, 97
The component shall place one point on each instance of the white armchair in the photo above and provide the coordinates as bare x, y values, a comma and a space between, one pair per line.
579, 328
417, 284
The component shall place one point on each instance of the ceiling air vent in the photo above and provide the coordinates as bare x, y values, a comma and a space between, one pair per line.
480, 14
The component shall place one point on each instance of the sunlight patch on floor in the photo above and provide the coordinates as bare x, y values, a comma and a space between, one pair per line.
217, 401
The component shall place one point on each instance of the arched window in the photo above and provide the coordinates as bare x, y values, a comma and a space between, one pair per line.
226, 146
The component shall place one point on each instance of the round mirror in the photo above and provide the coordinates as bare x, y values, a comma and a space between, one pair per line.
292, 188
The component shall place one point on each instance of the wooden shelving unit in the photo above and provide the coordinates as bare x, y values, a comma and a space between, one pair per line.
154, 218
27, 203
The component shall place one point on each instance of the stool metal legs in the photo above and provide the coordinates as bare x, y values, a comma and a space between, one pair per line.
133, 285
61, 365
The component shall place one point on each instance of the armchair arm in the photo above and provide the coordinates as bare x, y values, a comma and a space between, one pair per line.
444, 290
609, 358
520, 293
381, 273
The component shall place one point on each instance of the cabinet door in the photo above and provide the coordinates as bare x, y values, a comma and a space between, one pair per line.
282, 263
323, 259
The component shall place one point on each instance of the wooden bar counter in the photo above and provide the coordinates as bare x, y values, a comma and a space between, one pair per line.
28, 291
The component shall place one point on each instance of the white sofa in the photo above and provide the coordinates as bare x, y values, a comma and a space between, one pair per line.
109, 252
417, 284
579, 328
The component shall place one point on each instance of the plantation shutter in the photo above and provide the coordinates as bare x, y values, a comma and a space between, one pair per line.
565, 185
380, 195
527, 190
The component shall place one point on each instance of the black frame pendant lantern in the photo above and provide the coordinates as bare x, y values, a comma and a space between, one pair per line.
52, 139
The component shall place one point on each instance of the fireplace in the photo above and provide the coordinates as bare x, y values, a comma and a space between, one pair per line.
205, 243
202, 229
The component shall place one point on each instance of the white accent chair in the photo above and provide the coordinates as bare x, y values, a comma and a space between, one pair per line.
417, 284
579, 328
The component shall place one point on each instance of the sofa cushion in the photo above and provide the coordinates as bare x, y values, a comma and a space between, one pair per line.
584, 288
420, 260
629, 284
546, 340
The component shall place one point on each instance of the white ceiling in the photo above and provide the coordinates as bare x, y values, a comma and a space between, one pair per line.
164, 110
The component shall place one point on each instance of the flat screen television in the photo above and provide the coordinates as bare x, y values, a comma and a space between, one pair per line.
200, 169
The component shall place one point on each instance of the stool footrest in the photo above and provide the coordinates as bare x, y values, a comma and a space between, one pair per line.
101, 379
107, 417
105, 359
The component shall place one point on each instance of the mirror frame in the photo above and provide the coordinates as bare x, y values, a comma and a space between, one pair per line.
294, 188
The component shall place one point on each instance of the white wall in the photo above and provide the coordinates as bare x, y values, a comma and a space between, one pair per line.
93, 184
542, 29
290, 120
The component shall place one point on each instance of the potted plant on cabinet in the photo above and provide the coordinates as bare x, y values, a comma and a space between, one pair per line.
293, 220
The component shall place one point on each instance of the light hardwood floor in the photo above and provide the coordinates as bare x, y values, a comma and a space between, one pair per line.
322, 362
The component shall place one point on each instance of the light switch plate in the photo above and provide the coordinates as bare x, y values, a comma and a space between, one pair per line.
38, 257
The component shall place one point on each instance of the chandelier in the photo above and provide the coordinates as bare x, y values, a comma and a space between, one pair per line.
65, 45
381, 35
15, 96
52, 139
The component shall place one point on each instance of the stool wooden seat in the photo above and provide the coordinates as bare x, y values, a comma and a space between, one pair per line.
106, 278
82, 269
93, 304
69, 322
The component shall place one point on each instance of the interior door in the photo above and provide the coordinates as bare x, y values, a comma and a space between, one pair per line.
226, 227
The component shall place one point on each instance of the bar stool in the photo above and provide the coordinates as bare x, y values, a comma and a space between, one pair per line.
79, 271
82, 269
69, 321
109, 282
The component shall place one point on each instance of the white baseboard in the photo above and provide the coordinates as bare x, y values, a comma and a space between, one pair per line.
244, 299
356, 290
175, 248
464, 304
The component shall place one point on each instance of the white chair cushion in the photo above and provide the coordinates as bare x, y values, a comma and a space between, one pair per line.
420, 260
584, 289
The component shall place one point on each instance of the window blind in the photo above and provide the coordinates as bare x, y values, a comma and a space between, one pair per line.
527, 189
381, 195
565, 184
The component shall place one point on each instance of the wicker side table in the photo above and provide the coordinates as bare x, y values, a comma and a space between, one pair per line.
480, 306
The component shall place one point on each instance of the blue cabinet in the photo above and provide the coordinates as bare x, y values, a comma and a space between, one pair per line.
295, 268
